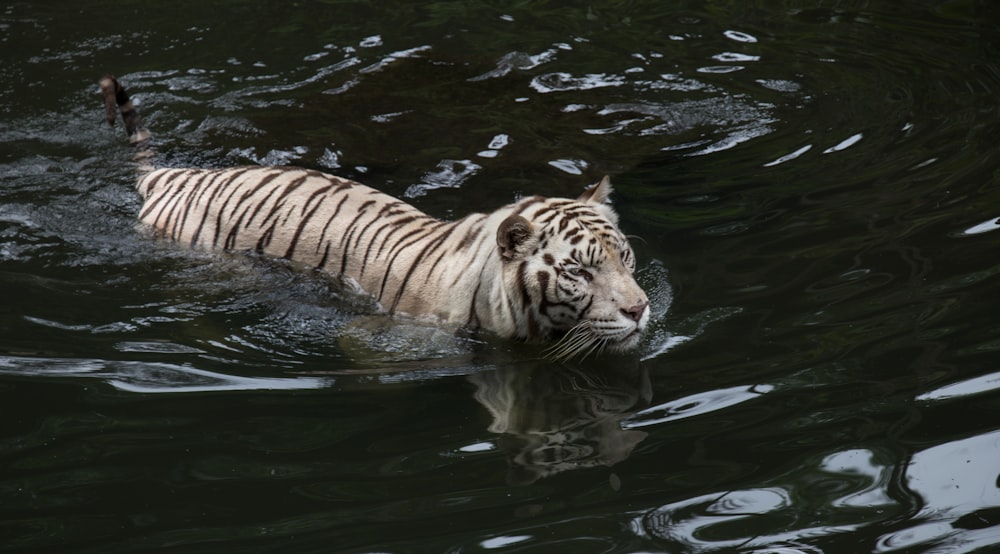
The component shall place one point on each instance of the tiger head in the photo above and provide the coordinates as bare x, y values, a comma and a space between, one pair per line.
572, 270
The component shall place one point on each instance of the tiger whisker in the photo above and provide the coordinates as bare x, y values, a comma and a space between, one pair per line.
579, 339
597, 345
562, 348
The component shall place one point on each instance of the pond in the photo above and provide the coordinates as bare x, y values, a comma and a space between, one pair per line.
813, 189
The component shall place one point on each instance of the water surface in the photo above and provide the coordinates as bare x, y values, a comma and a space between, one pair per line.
815, 192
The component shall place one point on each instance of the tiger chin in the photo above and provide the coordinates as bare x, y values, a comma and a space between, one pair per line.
540, 269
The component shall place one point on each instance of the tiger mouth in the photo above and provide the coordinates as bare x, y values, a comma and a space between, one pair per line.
632, 337
584, 340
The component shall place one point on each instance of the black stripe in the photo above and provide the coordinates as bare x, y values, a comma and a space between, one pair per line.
196, 190
384, 214
156, 180
534, 329
251, 208
366, 226
346, 242
522, 284
527, 203
475, 256
562, 224
399, 247
473, 233
217, 189
326, 254
155, 202
336, 211
221, 208
400, 225
442, 254
436, 243
279, 202
265, 238
551, 205
513, 311
266, 181
473, 319
322, 233
306, 219
184, 190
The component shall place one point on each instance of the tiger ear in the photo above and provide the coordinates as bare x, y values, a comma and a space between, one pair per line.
597, 193
515, 237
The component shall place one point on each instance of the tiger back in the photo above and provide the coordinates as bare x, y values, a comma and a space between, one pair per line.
538, 269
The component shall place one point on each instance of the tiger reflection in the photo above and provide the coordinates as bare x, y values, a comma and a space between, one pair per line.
553, 419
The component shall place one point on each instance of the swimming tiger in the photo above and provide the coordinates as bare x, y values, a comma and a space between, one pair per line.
538, 269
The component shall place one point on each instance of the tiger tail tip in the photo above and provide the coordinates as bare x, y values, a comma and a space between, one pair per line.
117, 99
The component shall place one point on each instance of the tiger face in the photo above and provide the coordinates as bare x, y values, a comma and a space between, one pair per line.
574, 269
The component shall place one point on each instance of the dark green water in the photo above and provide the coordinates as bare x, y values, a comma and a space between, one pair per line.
815, 185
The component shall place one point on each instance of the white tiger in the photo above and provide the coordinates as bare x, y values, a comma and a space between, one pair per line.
538, 269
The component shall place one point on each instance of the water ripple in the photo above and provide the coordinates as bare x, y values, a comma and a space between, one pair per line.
991, 224
447, 174
517, 61
559, 82
151, 377
782, 513
695, 404
981, 384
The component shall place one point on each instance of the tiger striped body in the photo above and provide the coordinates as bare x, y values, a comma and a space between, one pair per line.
540, 268
333, 224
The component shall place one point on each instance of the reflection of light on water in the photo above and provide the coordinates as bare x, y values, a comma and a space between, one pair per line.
394, 57
499, 542
846, 143
790, 156
573, 167
859, 462
736, 137
498, 142
955, 486
720, 69
684, 522
520, 61
986, 226
152, 377
478, 447
740, 36
976, 385
716, 521
957, 482
779, 85
158, 347
556, 82
448, 174
842, 145
370, 42
695, 404
735, 57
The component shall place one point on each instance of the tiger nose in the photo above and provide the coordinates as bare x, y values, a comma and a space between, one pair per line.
635, 312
